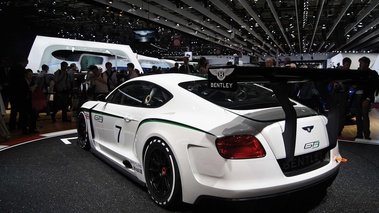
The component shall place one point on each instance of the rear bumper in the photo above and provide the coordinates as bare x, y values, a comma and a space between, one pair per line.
320, 186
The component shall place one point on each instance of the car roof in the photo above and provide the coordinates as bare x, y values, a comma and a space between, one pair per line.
169, 78
169, 81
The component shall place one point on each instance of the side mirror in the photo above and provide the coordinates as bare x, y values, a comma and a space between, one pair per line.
101, 97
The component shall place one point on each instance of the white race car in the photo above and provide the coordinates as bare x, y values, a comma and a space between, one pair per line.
184, 140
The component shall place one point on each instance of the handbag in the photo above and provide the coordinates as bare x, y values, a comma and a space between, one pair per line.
38, 100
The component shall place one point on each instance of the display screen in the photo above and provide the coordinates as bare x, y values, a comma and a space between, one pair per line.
145, 35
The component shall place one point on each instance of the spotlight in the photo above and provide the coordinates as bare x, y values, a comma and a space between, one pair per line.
110, 1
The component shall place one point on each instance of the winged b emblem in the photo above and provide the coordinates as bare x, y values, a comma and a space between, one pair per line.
221, 73
308, 128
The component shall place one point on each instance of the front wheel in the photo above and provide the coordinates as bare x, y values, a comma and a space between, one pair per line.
162, 175
83, 140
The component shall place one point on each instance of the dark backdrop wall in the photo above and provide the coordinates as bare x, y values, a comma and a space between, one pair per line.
16, 46
16, 35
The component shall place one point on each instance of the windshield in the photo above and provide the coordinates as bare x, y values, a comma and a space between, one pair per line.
247, 95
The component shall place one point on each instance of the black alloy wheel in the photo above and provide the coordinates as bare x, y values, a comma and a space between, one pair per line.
162, 175
83, 141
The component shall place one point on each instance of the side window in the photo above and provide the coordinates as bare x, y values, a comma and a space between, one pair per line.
140, 94
87, 60
157, 97
133, 94
115, 97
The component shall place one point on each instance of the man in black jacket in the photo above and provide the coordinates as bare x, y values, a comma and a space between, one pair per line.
16, 78
63, 84
28, 115
186, 67
364, 97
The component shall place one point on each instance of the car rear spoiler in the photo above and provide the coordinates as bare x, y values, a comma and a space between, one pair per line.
226, 78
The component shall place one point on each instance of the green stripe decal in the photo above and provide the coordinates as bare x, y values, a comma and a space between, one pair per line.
173, 123
157, 120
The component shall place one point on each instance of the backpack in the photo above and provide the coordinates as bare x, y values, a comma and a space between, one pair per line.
108, 79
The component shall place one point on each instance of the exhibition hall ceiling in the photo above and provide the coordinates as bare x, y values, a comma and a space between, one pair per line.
259, 27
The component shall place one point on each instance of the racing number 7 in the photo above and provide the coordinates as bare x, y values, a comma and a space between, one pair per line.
119, 132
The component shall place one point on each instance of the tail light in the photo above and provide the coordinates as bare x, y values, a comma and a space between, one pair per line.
240, 147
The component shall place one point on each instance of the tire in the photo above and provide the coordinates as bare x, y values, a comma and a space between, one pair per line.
162, 175
83, 141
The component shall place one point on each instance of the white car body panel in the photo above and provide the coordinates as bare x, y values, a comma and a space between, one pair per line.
191, 129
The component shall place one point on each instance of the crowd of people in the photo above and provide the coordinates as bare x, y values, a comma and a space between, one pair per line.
28, 95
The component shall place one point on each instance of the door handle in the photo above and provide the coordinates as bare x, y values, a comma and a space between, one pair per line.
128, 119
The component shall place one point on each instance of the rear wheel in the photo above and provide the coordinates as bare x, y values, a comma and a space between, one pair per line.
83, 140
162, 175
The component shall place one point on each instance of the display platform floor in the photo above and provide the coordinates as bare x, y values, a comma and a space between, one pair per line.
350, 129
45, 125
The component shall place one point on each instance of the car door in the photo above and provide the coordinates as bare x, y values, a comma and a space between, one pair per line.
124, 110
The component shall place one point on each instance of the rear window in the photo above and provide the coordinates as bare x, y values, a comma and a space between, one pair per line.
247, 95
